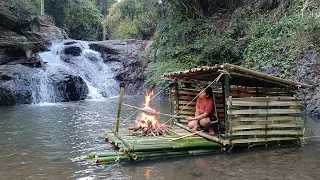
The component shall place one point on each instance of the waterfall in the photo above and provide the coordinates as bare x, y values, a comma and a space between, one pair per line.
72, 69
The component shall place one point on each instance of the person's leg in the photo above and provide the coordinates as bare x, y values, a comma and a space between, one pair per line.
193, 125
205, 122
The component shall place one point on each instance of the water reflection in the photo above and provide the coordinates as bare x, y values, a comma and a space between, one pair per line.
45, 142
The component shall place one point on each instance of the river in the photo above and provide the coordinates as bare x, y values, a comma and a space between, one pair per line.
45, 141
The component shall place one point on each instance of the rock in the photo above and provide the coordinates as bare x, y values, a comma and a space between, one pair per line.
52, 33
21, 85
308, 70
68, 87
15, 18
73, 50
123, 57
15, 84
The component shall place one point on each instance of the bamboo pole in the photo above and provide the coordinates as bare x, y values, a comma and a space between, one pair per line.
177, 97
202, 134
42, 8
119, 106
194, 82
266, 76
113, 159
171, 105
226, 97
149, 156
185, 136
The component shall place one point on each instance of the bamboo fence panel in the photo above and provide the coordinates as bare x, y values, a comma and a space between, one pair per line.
259, 119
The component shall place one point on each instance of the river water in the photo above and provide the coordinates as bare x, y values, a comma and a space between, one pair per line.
45, 141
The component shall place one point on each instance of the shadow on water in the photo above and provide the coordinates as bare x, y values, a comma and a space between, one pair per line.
44, 142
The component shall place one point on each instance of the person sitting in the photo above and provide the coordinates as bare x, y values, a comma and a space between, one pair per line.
205, 114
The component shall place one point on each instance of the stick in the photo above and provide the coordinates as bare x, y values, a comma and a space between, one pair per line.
185, 136
149, 112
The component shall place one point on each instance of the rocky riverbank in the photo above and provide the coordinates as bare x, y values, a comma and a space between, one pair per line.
23, 35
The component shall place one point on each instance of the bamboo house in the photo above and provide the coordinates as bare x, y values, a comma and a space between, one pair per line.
253, 109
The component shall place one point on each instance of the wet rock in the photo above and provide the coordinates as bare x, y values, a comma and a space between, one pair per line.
69, 87
19, 85
73, 50
70, 42
15, 83
123, 57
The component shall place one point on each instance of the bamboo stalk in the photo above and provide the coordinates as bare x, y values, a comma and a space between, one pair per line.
184, 136
209, 137
143, 148
119, 106
113, 159
145, 156
266, 76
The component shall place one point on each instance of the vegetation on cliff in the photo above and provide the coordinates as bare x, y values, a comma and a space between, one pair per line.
258, 34
81, 19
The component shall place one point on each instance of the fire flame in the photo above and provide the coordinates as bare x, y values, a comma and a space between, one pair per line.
148, 120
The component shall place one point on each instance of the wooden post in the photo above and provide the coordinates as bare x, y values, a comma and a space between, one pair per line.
171, 105
119, 106
42, 8
226, 95
176, 86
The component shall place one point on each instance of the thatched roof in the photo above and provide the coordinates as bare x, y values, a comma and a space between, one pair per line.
238, 76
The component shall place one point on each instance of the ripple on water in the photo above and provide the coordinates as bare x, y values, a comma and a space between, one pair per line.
49, 141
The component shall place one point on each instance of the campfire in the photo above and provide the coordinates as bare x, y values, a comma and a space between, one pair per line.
147, 122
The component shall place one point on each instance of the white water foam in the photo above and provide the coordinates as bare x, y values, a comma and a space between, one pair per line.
89, 66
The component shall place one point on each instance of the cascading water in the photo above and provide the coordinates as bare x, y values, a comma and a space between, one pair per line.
72, 69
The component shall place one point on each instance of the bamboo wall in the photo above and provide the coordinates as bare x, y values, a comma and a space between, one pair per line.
264, 119
242, 91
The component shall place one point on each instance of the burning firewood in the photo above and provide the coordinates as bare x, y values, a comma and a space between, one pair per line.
150, 129
148, 122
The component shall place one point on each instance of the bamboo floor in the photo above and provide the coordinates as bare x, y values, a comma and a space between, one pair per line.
133, 146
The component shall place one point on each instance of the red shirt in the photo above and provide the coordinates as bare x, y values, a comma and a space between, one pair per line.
208, 107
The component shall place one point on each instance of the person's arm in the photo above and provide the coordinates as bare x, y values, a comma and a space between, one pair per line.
197, 113
199, 117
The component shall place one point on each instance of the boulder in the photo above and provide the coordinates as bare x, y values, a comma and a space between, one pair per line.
123, 57
68, 87
22, 85
15, 83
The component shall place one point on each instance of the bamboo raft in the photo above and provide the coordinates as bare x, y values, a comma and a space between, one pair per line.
254, 109
133, 146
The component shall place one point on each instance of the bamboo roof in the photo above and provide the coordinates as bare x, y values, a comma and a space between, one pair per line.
238, 76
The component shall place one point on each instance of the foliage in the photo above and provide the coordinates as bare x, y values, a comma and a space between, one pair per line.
258, 34
81, 18
282, 42
31, 5
134, 18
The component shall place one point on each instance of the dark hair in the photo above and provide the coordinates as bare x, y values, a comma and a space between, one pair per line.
208, 91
